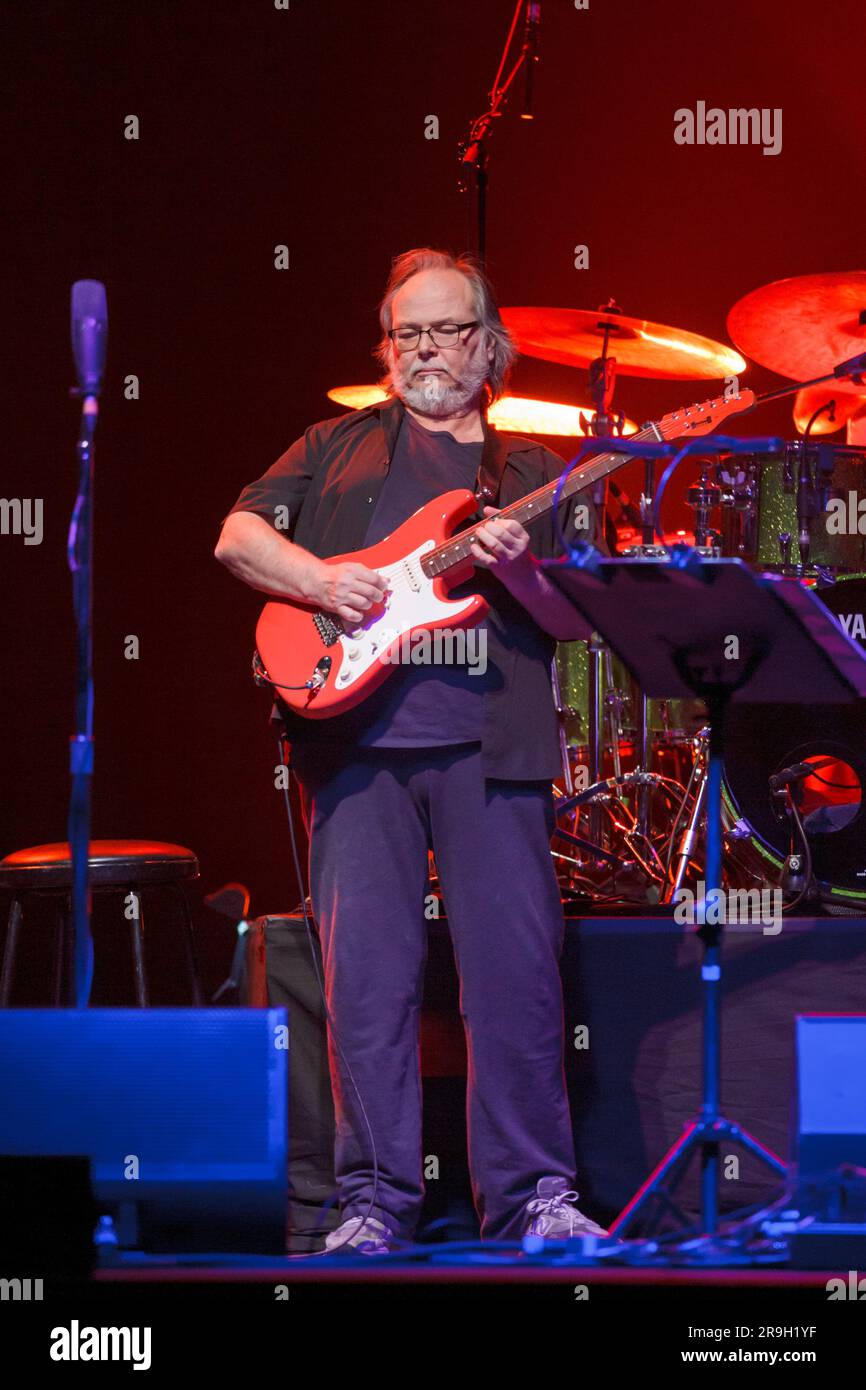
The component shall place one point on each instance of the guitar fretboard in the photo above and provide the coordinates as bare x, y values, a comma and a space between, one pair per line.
533, 505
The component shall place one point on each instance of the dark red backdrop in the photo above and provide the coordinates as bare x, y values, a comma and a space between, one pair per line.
306, 127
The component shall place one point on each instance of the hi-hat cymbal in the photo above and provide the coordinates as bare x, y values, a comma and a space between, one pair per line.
575, 338
804, 326
812, 398
518, 414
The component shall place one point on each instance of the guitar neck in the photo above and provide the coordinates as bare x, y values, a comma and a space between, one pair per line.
456, 551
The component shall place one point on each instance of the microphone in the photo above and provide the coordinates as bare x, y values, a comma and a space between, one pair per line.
532, 23
89, 334
795, 773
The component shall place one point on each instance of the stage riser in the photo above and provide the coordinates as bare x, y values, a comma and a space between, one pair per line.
634, 984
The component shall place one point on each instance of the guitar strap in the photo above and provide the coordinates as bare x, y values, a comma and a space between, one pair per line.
492, 466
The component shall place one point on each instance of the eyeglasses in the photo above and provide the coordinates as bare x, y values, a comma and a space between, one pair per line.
442, 335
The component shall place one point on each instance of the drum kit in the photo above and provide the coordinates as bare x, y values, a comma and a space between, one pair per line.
631, 795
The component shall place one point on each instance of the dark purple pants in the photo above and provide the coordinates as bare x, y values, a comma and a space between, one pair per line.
371, 821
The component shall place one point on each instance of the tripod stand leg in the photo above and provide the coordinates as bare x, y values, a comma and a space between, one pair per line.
741, 1136
672, 1169
665, 1172
711, 1128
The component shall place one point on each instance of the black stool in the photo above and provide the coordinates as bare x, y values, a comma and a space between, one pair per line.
126, 866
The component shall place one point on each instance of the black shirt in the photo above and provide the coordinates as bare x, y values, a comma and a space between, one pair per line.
323, 493
419, 706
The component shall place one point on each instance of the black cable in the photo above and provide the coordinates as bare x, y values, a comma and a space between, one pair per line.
282, 748
807, 879
840, 786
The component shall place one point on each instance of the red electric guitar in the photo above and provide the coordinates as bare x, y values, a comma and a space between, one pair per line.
320, 669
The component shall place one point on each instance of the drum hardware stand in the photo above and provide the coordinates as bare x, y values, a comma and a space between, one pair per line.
779, 626
563, 712
595, 729
643, 762
602, 379
614, 704
594, 850
703, 497
602, 382
807, 508
648, 545
850, 370
739, 495
784, 539
607, 789
689, 838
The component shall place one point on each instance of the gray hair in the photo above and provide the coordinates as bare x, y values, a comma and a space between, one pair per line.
403, 267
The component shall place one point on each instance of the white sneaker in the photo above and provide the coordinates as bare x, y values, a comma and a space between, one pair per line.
360, 1237
554, 1215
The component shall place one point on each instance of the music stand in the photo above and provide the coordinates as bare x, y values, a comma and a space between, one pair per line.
688, 626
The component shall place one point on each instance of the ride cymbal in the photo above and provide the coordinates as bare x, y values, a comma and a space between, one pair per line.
575, 337
804, 326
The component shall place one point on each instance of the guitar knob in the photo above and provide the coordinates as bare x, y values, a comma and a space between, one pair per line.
353, 653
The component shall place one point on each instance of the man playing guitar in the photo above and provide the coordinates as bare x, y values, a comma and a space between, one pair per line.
439, 757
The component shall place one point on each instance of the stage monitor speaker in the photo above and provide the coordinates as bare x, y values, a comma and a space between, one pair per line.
831, 1093
181, 1112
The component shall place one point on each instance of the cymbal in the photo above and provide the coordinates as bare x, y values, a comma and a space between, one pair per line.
357, 397
804, 326
575, 338
518, 414
811, 398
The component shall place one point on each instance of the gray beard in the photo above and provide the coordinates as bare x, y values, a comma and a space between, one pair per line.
440, 399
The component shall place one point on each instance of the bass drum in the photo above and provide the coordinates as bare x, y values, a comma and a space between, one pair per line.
846, 599
760, 740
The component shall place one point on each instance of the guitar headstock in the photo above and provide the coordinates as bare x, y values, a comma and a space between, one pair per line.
704, 417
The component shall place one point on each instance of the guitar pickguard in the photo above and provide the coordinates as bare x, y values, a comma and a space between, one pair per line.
410, 603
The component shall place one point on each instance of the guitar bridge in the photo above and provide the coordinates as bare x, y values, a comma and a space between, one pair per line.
329, 630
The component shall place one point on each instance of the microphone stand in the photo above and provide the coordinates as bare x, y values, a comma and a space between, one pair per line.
472, 150
89, 338
80, 559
